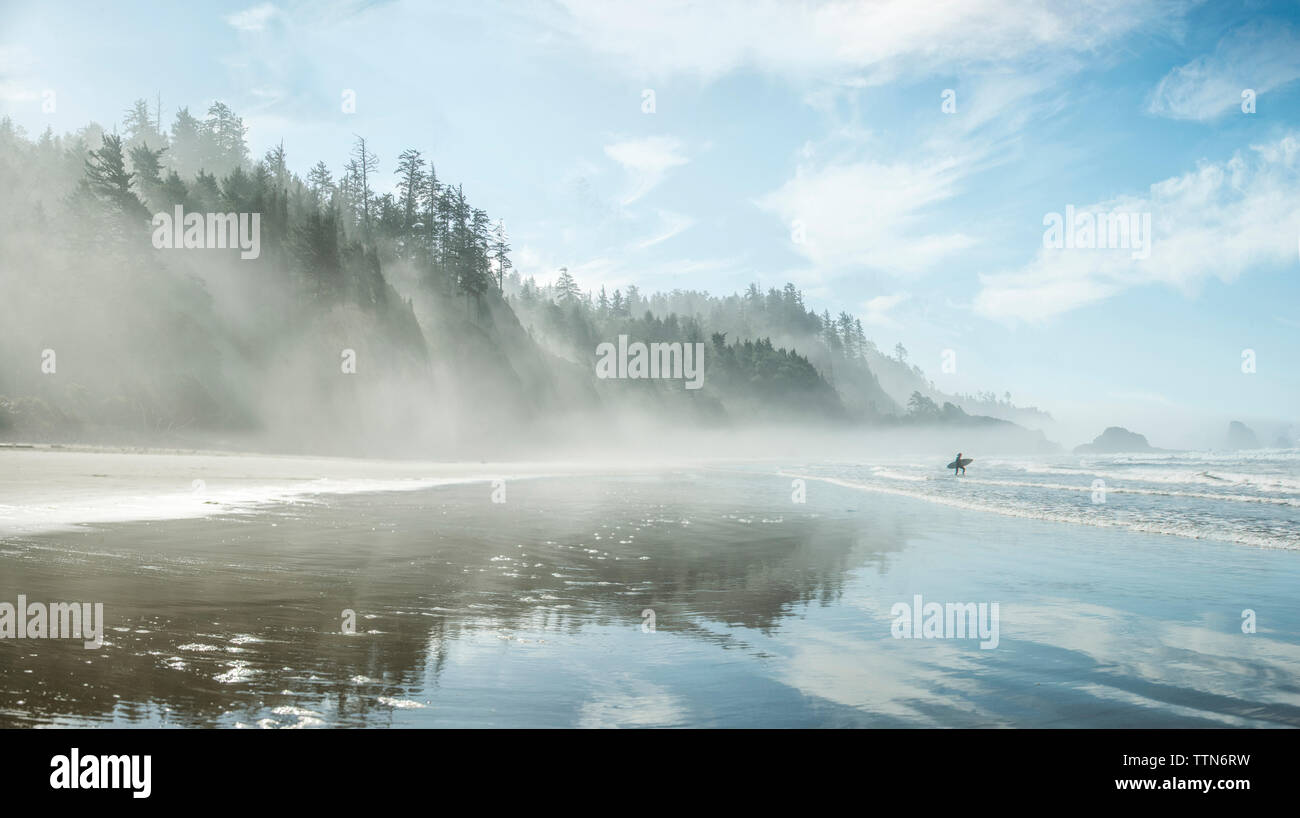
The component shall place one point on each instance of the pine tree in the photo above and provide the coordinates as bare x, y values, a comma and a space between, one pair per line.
107, 182
410, 186
845, 322
140, 127
224, 135
173, 192
146, 164
187, 143
501, 255
432, 201
320, 183
277, 166
364, 165
566, 289
479, 268
349, 189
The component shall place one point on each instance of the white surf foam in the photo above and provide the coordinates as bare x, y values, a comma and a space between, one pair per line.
1168, 526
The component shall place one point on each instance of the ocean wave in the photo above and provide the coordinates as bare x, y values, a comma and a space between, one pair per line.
1223, 530
1111, 489
1146, 473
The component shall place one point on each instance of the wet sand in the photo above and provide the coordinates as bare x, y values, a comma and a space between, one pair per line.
529, 613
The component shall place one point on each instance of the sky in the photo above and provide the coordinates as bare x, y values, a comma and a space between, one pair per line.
897, 160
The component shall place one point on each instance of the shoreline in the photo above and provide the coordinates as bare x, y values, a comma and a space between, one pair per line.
58, 489
51, 487
966, 505
530, 613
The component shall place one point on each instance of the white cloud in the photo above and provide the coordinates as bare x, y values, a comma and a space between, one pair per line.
850, 213
1257, 57
253, 18
709, 39
1218, 221
16, 66
14, 92
671, 225
646, 161
877, 310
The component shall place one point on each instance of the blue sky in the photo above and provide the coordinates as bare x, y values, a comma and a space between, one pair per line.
770, 116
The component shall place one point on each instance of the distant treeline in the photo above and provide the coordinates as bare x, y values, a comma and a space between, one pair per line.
418, 284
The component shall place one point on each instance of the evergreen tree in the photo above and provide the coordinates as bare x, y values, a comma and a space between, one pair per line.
187, 144
277, 166
108, 178
320, 183
146, 165
566, 289
140, 127
479, 271
433, 217
410, 186
363, 166
223, 136
501, 256
847, 335
114, 208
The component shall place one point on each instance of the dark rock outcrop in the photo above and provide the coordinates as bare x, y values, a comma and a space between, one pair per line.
1114, 440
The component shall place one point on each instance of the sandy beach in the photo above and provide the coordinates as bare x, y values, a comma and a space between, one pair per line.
686, 596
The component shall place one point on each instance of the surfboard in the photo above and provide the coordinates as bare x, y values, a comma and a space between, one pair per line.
960, 464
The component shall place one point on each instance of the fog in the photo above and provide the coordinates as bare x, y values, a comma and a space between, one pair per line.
342, 321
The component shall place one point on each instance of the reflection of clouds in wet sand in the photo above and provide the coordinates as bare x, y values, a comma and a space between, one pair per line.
1227, 676
529, 614
631, 702
1062, 662
928, 683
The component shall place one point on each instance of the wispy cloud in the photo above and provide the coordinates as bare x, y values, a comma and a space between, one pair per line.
1259, 57
671, 224
1217, 221
646, 161
16, 65
877, 310
877, 39
253, 18
865, 213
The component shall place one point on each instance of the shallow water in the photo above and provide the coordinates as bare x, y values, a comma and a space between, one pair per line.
529, 613
1249, 498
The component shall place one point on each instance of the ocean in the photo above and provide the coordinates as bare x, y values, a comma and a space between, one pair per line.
1247, 498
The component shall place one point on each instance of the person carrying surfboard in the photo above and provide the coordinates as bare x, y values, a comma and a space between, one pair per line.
958, 465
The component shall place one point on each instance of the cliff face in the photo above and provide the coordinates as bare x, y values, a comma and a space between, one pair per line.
1115, 440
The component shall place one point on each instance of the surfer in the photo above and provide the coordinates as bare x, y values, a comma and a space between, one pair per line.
958, 466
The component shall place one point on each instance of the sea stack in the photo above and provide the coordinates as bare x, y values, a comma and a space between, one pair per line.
1114, 440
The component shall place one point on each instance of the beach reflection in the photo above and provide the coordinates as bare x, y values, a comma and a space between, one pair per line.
529, 613
241, 619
